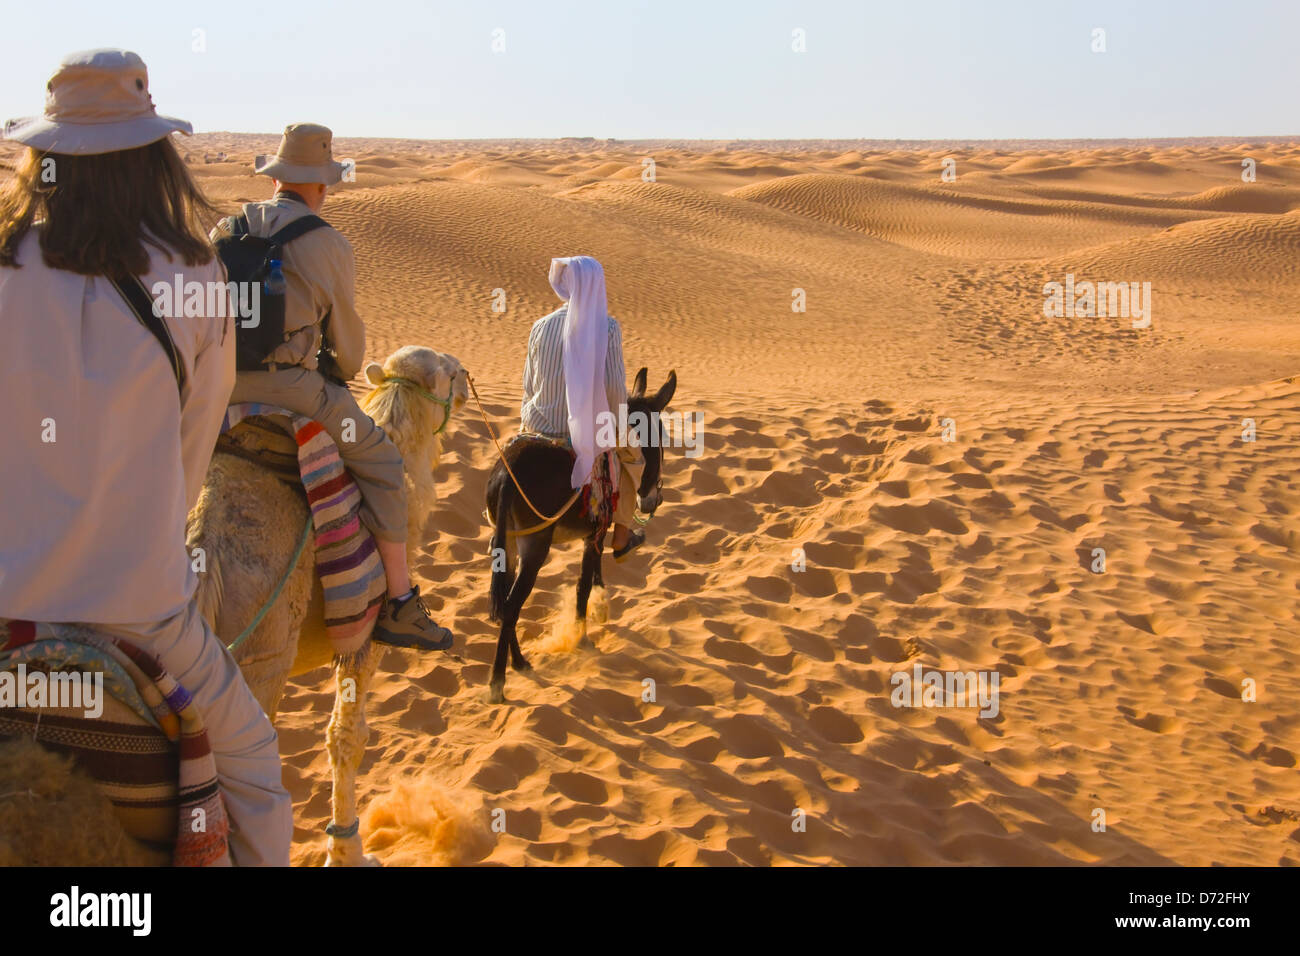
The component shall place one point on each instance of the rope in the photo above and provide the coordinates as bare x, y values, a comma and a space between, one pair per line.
421, 390
293, 563
537, 527
546, 522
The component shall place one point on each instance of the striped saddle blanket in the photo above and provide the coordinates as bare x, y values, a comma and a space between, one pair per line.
125, 721
347, 560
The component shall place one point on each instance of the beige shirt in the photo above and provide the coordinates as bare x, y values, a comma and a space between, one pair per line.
320, 271
101, 461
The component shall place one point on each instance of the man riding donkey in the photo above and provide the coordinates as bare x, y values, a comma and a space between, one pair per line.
322, 347
574, 380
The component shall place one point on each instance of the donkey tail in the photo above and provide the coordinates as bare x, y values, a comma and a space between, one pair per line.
503, 576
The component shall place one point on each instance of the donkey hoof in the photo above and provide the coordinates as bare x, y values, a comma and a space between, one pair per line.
521, 664
496, 692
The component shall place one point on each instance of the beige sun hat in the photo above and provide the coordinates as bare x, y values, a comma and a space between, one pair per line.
97, 101
304, 156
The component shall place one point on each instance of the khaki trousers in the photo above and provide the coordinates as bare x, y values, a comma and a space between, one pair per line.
370, 456
632, 465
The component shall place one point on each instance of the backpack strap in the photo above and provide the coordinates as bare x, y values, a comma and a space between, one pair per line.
137, 297
299, 227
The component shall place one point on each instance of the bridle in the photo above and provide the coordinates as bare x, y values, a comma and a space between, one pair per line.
425, 393
659, 494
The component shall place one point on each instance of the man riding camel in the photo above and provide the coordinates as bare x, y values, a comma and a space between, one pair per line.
324, 346
574, 379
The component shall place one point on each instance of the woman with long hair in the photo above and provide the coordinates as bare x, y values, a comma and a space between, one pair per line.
109, 415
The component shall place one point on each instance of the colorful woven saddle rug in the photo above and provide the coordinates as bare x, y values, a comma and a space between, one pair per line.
143, 739
600, 494
347, 560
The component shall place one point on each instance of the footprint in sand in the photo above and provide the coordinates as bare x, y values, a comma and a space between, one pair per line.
1222, 687
580, 787
1156, 723
747, 737
769, 588
835, 725
1151, 622
1274, 756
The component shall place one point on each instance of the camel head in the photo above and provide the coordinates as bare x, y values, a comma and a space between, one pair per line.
416, 392
414, 388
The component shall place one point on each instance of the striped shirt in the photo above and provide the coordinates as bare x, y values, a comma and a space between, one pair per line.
545, 407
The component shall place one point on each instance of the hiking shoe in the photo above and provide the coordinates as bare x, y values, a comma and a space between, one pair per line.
405, 622
635, 539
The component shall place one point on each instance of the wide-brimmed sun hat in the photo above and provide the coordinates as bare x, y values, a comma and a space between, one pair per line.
97, 101
304, 156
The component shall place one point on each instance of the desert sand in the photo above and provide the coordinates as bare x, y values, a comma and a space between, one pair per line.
824, 435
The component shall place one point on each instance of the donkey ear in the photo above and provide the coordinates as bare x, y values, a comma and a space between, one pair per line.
374, 373
666, 391
638, 383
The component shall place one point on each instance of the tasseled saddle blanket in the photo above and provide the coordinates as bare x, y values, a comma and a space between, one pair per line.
147, 747
601, 492
347, 561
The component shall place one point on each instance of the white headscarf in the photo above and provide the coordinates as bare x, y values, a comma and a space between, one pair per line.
580, 281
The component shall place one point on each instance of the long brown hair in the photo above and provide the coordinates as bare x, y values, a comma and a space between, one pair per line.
98, 212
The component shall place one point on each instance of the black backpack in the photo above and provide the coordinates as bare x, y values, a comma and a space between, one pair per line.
248, 260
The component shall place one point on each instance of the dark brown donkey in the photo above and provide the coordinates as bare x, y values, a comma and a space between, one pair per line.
542, 468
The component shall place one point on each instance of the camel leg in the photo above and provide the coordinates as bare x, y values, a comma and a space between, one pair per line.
532, 554
345, 739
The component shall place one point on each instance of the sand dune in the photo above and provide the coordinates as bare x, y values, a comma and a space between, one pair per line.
1249, 249
1244, 198
932, 219
825, 437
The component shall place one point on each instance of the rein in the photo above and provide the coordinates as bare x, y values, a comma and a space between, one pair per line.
275, 595
546, 521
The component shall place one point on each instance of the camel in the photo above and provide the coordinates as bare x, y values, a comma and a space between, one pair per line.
245, 529
248, 524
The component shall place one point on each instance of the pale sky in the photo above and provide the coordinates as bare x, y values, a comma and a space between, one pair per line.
690, 69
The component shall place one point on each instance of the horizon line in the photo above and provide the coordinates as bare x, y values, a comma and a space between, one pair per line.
1218, 140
